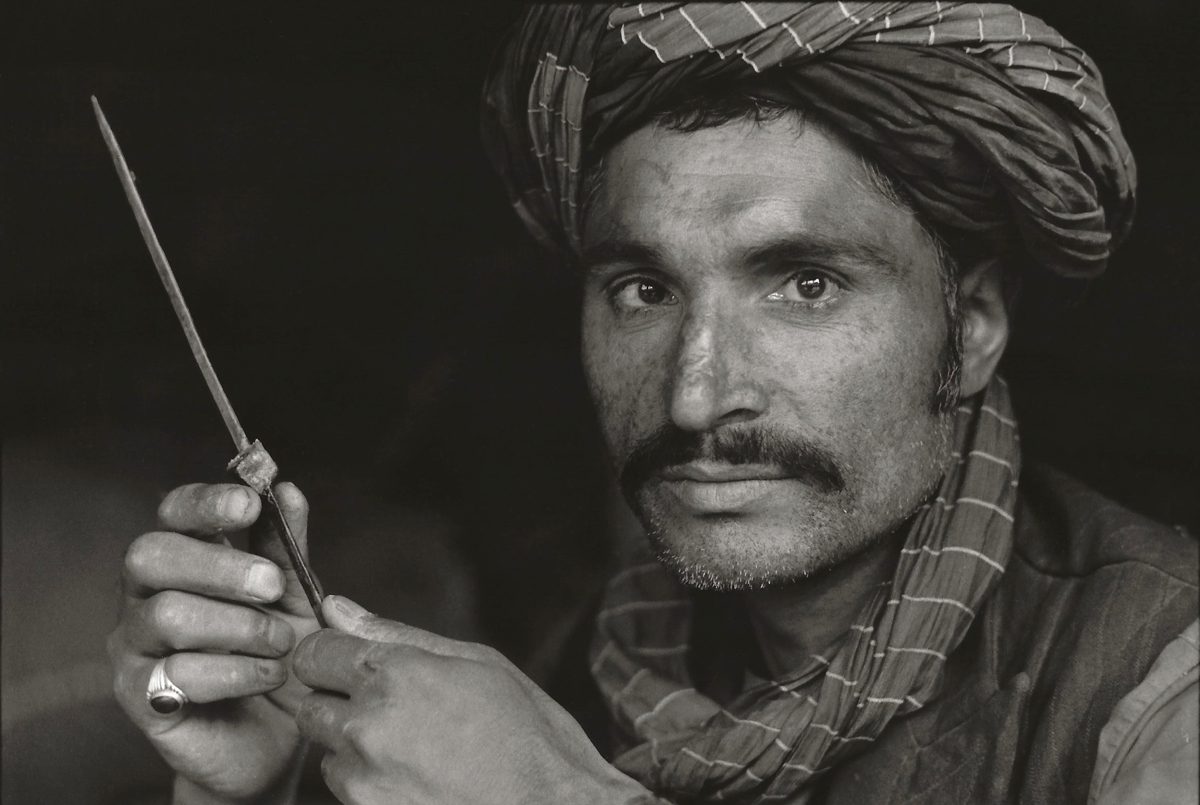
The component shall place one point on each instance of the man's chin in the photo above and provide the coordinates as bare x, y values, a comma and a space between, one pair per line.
741, 553
725, 557
707, 577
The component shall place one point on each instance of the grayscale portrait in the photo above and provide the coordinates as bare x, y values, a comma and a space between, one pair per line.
507, 404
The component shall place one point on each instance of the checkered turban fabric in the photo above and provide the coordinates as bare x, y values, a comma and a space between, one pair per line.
997, 127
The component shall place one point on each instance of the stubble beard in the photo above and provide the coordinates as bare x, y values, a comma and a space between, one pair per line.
837, 528
828, 534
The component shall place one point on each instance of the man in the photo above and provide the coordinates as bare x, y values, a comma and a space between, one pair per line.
798, 229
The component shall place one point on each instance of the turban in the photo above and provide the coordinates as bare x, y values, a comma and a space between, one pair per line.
996, 128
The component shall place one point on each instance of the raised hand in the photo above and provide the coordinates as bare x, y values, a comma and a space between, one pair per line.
225, 621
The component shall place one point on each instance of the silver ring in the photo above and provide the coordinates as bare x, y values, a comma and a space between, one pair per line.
163, 694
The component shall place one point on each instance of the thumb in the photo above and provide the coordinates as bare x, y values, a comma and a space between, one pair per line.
265, 540
343, 614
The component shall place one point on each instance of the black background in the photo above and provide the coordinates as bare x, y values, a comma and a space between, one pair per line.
383, 323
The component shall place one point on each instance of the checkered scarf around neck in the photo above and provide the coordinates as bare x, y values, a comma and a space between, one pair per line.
997, 128
777, 735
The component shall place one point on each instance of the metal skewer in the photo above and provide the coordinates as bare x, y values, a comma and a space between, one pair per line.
253, 464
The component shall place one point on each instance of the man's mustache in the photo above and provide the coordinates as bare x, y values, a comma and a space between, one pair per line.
671, 446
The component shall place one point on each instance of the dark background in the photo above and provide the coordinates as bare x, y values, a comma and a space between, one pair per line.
384, 325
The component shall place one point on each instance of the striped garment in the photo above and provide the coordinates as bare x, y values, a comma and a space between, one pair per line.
997, 127
777, 735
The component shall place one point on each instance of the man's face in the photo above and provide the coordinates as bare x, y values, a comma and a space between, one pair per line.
762, 334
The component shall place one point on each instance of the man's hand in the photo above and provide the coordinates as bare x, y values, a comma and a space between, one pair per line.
226, 621
408, 716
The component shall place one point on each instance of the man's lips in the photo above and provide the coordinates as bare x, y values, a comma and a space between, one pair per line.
715, 488
712, 472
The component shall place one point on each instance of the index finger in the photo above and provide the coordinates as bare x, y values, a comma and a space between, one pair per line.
205, 510
167, 561
332, 660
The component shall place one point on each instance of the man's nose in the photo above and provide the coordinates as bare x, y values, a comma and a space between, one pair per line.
712, 383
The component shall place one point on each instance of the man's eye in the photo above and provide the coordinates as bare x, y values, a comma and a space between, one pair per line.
641, 293
808, 287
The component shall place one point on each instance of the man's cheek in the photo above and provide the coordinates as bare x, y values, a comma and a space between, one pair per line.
620, 406
827, 377
892, 358
628, 385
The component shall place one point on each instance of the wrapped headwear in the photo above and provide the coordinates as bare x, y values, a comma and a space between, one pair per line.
997, 128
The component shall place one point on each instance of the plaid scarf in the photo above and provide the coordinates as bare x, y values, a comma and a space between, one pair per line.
779, 734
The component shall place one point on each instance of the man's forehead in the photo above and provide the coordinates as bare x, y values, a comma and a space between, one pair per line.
740, 184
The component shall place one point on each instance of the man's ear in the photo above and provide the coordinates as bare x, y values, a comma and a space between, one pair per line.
985, 323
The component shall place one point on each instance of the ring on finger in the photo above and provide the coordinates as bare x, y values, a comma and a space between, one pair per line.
164, 696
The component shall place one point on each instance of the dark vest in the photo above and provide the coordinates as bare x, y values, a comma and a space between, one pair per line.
1091, 596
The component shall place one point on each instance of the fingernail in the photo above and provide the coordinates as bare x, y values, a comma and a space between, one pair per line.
279, 637
263, 582
234, 505
348, 607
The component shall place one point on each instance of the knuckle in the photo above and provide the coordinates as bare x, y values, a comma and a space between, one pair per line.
167, 612
114, 644
209, 504
143, 554
357, 733
374, 660
121, 684
169, 508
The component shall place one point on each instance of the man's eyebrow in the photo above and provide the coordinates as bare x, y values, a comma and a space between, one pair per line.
607, 252
810, 248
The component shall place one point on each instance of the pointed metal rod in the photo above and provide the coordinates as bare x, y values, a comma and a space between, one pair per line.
168, 280
252, 464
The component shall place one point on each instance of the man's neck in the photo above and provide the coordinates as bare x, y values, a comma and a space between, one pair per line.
794, 622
